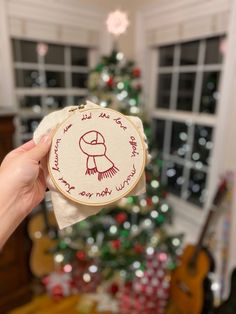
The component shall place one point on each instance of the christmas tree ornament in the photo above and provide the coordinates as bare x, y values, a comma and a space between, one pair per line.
58, 284
97, 157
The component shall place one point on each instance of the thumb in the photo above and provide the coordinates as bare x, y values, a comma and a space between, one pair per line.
41, 149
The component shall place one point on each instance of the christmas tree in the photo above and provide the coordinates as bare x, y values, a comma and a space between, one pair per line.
127, 242
120, 240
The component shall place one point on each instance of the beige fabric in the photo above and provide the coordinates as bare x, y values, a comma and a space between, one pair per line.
68, 212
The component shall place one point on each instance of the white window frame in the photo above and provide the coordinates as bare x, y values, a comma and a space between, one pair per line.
192, 117
154, 28
42, 91
189, 214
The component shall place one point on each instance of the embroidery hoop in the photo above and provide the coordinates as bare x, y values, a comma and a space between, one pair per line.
83, 110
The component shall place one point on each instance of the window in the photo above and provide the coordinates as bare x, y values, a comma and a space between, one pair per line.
185, 114
47, 77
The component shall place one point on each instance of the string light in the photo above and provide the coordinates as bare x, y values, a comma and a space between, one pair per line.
93, 269
154, 214
119, 56
120, 85
136, 264
155, 184
126, 225
155, 199
139, 273
164, 208
113, 229
176, 242
86, 277
59, 258
42, 49
67, 268
150, 250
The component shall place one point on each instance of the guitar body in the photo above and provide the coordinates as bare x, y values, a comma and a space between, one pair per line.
41, 260
187, 292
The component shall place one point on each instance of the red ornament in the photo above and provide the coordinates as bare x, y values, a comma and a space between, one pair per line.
115, 244
136, 72
121, 217
148, 177
138, 248
113, 289
138, 87
57, 292
110, 82
149, 201
81, 256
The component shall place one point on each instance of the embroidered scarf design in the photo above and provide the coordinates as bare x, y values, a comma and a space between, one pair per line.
93, 145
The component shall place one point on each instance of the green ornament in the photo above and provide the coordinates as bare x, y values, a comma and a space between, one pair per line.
99, 67
171, 265
127, 245
160, 219
63, 245
130, 200
124, 233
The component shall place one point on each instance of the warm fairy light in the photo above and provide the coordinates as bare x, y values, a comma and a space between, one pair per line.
176, 242
117, 22
59, 258
93, 269
155, 184
67, 268
86, 277
42, 49
150, 250
139, 273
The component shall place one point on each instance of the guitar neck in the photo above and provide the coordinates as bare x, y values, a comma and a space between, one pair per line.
202, 236
217, 200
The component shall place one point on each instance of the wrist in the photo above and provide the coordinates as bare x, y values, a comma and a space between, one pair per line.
10, 213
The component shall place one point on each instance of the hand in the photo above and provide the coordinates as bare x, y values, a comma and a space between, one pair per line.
22, 182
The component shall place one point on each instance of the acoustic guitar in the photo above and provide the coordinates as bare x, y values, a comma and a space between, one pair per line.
187, 280
42, 231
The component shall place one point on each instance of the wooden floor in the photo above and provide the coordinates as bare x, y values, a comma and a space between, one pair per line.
45, 305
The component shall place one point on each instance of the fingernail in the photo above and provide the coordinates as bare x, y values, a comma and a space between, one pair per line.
46, 139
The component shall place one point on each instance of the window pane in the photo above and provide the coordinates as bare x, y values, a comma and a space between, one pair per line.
179, 137
213, 54
202, 145
78, 100
79, 80
79, 56
189, 53
55, 79
164, 90
186, 91
29, 125
55, 54
28, 78
174, 173
166, 56
32, 102
160, 133
210, 92
24, 51
54, 102
196, 189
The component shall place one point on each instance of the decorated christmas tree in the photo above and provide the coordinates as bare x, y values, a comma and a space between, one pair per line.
128, 241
